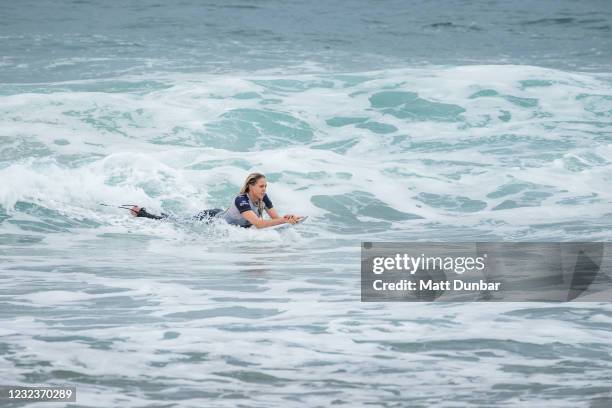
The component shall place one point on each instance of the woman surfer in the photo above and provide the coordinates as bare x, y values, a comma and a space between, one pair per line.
246, 209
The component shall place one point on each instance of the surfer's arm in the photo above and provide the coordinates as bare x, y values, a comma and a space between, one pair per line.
260, 223
272, 213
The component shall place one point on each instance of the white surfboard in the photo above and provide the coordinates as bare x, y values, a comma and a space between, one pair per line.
290, 225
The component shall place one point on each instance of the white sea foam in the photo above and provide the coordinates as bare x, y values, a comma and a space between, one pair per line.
274, 315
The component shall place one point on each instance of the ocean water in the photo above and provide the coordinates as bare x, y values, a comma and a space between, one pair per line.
382, 121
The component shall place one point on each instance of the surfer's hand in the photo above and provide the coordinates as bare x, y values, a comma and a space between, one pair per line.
290, 219
134, 210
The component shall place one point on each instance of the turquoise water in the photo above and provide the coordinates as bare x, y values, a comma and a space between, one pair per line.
46, 40
442, 121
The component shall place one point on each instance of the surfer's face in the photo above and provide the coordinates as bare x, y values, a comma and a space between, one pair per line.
259, 188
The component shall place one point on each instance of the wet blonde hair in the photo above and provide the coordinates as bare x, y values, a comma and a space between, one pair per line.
250, 181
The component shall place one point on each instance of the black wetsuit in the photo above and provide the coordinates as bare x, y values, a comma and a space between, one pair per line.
205, 215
